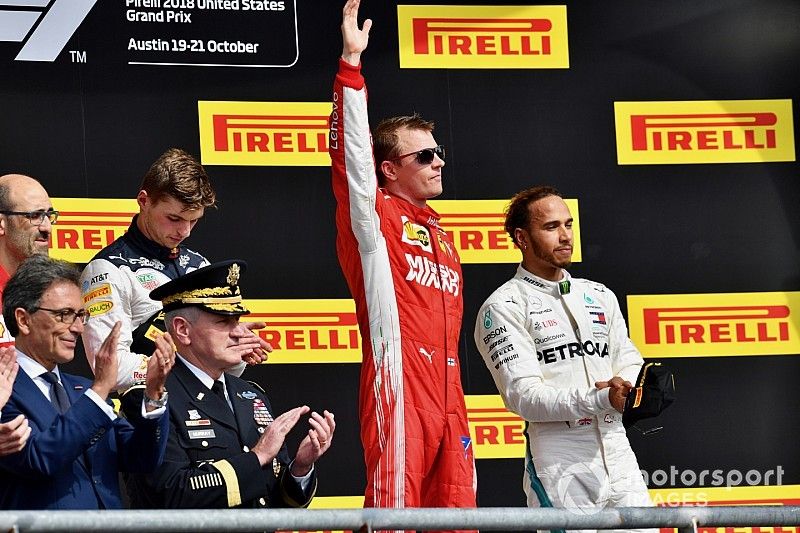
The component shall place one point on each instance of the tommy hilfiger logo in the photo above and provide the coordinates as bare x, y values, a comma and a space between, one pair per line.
44, 26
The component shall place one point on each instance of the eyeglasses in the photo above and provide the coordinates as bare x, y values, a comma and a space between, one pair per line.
67, 315
424, 156
36, 217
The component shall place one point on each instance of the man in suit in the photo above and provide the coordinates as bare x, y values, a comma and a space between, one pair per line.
225, 449
77, 444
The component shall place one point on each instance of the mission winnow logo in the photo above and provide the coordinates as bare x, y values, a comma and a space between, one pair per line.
43, 26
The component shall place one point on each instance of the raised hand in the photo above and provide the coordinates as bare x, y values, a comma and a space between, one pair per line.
106, 364
258, 354
8, 372
159, 366
316, 443
354, 40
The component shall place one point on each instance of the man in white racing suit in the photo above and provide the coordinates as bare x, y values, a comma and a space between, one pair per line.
558, 350
116, 283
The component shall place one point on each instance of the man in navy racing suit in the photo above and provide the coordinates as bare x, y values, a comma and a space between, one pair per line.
117, 282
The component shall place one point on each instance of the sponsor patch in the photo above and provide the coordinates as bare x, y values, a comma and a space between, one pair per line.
100, 307
598, 317
416, 235
103, 290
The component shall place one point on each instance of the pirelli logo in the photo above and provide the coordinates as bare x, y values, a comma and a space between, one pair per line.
704, 325
496, 433
309, 331
86, 226
488, 37
477, 229
264, 133
731, 131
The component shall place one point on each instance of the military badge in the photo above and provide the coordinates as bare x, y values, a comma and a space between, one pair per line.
261, 414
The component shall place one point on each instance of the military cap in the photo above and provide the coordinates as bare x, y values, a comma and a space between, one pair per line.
213, 288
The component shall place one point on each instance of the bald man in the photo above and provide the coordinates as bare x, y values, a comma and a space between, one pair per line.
26, 219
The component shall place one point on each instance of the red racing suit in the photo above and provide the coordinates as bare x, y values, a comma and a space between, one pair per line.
404, 274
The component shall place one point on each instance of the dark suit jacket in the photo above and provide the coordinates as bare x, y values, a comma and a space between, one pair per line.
72, 461
208, 463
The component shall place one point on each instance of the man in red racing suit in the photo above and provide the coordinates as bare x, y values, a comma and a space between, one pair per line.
405, 277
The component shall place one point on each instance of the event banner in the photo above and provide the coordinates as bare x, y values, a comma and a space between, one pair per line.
724, 324
725, 131
483, 37
87, 225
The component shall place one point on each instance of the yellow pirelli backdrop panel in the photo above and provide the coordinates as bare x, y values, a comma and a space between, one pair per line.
496, 432
264, 133
705, 325
308, 331
477, 229
723, 131
87, 225
483, 37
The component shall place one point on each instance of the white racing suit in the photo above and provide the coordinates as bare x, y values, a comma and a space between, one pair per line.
545, 351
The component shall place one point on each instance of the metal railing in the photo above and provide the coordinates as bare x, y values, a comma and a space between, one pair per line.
485, 519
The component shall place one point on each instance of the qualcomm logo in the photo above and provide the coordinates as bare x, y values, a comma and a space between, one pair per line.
52, 22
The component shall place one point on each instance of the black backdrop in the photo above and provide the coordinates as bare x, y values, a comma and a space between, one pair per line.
92, 129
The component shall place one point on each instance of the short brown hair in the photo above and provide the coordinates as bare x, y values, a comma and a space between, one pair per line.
178, 174
386, 142
517, 213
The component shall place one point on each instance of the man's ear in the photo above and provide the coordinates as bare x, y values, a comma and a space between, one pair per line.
181, 331
23, 320
3, 224
519, 239
142, 198
389, 170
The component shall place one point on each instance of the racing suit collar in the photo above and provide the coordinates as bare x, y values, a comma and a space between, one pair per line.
425, 214
150, 248
541, 284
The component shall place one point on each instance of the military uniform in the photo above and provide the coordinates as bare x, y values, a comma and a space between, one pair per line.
209, 462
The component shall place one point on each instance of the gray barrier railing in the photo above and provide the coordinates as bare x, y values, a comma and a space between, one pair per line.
486, 519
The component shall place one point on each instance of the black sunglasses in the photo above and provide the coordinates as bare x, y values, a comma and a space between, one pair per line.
424, 156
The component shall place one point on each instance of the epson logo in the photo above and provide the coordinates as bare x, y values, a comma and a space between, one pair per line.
43, 26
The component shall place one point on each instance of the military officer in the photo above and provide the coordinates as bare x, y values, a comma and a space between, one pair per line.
225, 447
